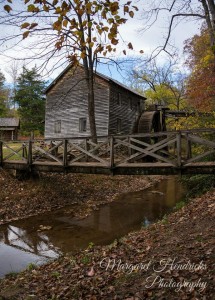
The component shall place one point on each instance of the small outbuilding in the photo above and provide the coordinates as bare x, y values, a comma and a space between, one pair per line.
9, 129
117, 107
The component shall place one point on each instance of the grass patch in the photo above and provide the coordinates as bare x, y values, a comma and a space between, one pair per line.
164, 219
8, 151
31, 267
197, 185
180, 204
11, 275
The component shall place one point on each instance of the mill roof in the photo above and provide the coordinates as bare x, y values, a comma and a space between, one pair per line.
106, 78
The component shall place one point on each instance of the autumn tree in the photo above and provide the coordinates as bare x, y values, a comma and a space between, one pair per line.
31, 101
177, 11
162, 84
83, 30
201, 82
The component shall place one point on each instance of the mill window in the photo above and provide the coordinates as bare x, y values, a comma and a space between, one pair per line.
82, 124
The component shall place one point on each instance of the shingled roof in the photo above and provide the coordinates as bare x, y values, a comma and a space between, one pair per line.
9, 122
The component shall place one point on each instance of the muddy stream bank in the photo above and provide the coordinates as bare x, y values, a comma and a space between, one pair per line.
40, 238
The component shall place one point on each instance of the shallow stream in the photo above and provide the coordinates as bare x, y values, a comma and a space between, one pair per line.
37, 239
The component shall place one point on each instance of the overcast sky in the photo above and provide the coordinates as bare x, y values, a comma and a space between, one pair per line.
131, 32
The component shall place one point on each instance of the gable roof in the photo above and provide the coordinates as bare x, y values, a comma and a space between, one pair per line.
106, 78
9, 122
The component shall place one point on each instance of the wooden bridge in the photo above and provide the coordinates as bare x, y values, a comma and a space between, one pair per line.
173, 152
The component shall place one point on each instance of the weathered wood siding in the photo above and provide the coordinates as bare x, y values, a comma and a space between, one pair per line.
9, 135
123, 110
67, 102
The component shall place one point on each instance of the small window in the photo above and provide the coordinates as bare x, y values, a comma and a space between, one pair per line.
82, 124
130, 103
119, 99
118, 125
57, 126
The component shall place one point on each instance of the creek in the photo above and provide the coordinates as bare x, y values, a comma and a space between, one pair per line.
40, 238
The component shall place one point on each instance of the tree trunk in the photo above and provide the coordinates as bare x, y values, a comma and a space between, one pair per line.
91, 106
209, 9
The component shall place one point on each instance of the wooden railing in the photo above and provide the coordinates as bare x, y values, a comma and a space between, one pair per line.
168, 149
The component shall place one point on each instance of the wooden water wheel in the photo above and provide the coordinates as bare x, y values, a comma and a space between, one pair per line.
149, 122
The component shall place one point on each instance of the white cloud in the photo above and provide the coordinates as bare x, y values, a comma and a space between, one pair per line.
130, 32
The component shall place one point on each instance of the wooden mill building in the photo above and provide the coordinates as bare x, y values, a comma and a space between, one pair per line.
117, 107
9, 129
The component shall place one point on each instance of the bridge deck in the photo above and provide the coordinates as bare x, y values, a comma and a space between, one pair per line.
123, 169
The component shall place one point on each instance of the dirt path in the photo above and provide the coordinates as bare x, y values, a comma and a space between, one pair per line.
172, 259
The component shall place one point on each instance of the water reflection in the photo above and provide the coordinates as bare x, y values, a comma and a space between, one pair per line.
23, 241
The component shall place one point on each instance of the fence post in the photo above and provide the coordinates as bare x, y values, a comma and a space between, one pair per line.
30, 158
111, 152
65, 160
129, 148
188, 146
24, 151
1, 153
87, 149
179, 148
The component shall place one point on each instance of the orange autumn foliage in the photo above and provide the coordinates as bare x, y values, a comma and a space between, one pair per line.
201, 83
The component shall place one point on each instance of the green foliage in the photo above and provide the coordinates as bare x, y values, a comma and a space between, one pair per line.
85, 259
197, 120
29, 96
163, 84
56, 274
31, 267
3, 97
91, 245
179, 205
198, 184
164, 219
11, 275
165, 95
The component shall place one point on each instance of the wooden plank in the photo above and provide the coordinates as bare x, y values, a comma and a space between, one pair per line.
200, 156
65, 161
30, 158
90, 154
56, 146
1, 153
87, 148
24, 151
188, 146
144, 151
90, 151
111, 152
178, 139
147, 144
152, 148
47, 153
198, 140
